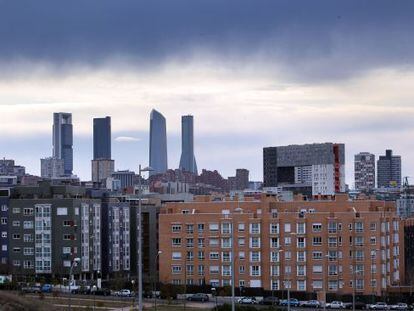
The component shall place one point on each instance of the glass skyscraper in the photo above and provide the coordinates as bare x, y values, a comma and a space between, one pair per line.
102, 138
187, 161
158, 143
63, 140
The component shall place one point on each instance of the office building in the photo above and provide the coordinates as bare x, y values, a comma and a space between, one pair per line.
102, 169
304, 245
158, 143
48, 226
52, 167
63, 140
310, 169
364, 165
240, 181
102, 138
187, 161
126, 178
389, 170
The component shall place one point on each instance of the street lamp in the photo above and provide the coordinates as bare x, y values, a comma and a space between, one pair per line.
155, 281
94, 295
133, 299
146, 169
75, 262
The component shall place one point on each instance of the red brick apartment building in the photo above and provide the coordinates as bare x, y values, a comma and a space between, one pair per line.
309, 246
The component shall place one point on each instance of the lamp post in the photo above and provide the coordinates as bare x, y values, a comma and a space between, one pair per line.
155, 281
140, 285
133, 297
94, 295
214, 293
75, 262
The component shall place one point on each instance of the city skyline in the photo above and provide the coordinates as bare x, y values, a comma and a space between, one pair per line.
307, 73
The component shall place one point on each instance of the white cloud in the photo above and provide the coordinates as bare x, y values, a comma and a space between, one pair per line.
127, 139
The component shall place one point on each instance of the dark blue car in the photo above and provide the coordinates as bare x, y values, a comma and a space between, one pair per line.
47, 288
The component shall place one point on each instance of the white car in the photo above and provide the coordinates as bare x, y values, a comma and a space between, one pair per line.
399, 306
335, 305
247, 301
124, 293
379, 306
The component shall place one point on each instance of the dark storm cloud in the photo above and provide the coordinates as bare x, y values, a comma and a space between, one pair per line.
319, 39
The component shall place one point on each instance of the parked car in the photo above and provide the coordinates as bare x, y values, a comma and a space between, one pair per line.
379, 306
31, 289
270, 300
47, 288
198, 297
399, 306
359, 305
247, 300
335, 305
102, 292
83, 290
293, 302
310, 304
124, 293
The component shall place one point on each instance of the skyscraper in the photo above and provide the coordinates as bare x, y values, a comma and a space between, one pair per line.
187, 161
158, 143
63, 140
389, 170
310, 169
364, 171
102, 165
102, 138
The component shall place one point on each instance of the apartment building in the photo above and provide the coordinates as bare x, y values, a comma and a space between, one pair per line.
328, 245
48, 226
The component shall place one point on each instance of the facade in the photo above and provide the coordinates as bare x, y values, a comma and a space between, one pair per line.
242, 179
187, 161
102, 169
63, 140
4, 207
9, 168
409, 250
125, 177
48, 226
158, 143
304, 245
312, 169
389, 170
364, 166
116, 238
52, 167
102, 138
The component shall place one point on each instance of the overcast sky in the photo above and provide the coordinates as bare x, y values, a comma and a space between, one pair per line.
253, 73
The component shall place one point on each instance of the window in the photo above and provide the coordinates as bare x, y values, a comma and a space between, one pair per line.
255, 271
332, 227
214, 227
225, 270
190, 242
254, 256
241, 227
200, 269
301, 256
200, 255
242, 255
274, 256
176, 228
176, 255
373, 240
27, 238
274, 228
214, 242
275, 270
4, 220
225, 256
373, 226
4, 234
16, 223
16, 236
62, 211
274, 242
287, 227
301, 242
254, 242
317, 269
200, 228
16, 249
288, 269
16, 263
332, 241
226, 242
214, 269
255, 228
214, 256
288, 240
28, 251
241, 241
200, 242
66, 250
317, 227
176, 242
288, 255
359, 241
317, 241
28, 264
4, 247
241, 269
317, 284
68, 223
190, 229
176, 269
359, 227
27, 224
4, 208
225, 228
16, 210
300, 228
317, 255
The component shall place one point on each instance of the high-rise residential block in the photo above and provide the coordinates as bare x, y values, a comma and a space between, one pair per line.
158, 143
389, 170
364, 166
337, 245
187, 161
125, 177
63, 140
102, 138
52, 167
311, 169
